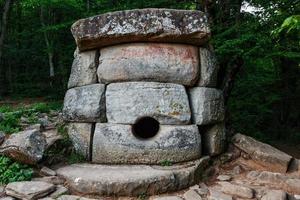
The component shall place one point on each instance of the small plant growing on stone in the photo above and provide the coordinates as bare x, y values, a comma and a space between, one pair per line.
11, 171
165, 163
142, 196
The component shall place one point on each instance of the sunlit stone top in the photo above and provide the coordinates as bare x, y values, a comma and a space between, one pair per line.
153, 25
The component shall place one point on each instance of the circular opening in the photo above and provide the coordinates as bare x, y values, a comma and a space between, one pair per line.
145, 127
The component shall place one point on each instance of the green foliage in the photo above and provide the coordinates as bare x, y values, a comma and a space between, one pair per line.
11, 171
12, 116
166, 163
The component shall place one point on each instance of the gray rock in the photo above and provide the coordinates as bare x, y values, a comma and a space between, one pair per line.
72, 197
144, 25
26, 146
293, 185
275, 195
51, 136
7, 198
2, 137
85, 104
216, 194
116, 144
224, 178
168, 198
50, 179
208, 68
84, 67
2, 191
207, 105
192, 195
203, 190
265, 155
214, 139
266, 177
29, 189
237, 190
35, 126
60, 190
158, 62
128, 180
167, 103
47, 171
80, 135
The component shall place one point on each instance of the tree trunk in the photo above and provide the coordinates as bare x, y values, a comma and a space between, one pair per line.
3, 25
48, 47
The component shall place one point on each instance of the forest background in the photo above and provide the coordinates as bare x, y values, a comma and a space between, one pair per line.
257, 43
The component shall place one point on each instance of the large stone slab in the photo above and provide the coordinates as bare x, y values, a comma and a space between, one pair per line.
129, 180
80, 135
29, 189
208, 68
25, 146
207, 105
159, 62
126, 102
144, 25
116, 144
214, 139
264, 154
85, 104
84, 67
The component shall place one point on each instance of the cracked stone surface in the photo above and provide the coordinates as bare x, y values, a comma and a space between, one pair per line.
166, 102
143, 25
115, 144
160, 62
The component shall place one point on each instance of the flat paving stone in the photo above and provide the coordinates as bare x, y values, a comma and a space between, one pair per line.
131, 180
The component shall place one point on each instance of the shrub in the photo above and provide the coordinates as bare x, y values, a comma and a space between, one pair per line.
11, 171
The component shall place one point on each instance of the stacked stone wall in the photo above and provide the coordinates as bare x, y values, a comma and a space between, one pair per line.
151, 63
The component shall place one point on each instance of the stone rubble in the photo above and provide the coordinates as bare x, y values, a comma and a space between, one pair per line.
29, 189
26, 146
45, 171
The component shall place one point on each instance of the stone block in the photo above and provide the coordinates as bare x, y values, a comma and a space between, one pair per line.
143, 25
158, 62
214, 139
127, 102
85, 104
84, 68
117, 144
207, 105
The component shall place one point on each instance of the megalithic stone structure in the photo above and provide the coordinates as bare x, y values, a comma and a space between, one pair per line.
142, 103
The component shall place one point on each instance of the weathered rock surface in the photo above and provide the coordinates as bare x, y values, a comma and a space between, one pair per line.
50, 179
264, 154
158, 62
207, 105
192, 195
115, 143
237, 190
84, 67
80, 135
85, 104
26, 146
60, 190
224, 178
167, 103
130, 180
214, 139
143, 25
216, 194
168, 198
51, 137
275, 195
208, 68
73, 197
47, 171
29, 189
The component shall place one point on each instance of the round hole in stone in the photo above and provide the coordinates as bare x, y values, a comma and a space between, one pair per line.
145, 127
